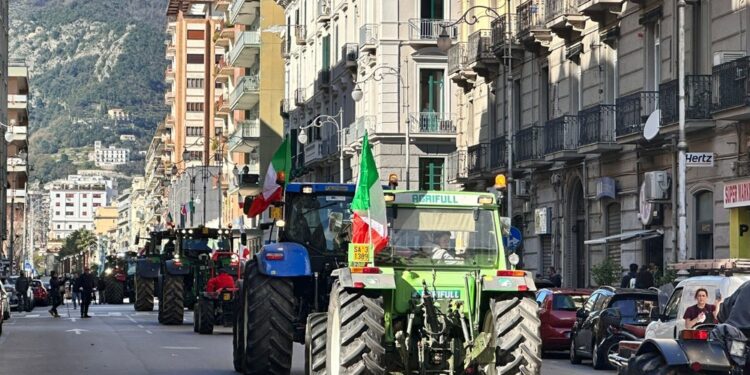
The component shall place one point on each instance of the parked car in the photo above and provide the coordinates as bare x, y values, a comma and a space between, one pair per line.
5, 298
41, 296
557, 311
29, 294
590, 336
10, 291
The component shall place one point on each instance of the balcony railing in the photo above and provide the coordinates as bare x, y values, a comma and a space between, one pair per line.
324, 10
530, 16
731, 82
433, 123
300, 34
697, 99
299, 97
478, 158
350, 53
527, 144
247, 129
499, 153
284, 49
430, 29
284, 107
633, 110
456, 57
479, 47
504, 30
556, 8
246, 84
561, 134
324, 79
596, 125
456, 166
368, 35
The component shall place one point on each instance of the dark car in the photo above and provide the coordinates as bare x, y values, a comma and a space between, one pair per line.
591, 336
557, 312
41, 296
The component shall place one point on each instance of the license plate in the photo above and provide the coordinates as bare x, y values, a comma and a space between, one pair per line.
361, 254
227, 297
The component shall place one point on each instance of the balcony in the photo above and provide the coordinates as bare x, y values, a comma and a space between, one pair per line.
697, 103
20, 133
299, 97
300, 35
323, 83
246, 136
16, 165
222, 106
171, 49
168, 145
225, 34
169, 97
532, 28
169, 121
564, 19
478, 159
324, 11
528, 150
456, 167
245, 50
169, 75
596, 130
479, 55
504, 42
221, 6
18, 101
350, 54
223, 70
598, 10
632, 112
355, 131
561, 139
244, 12
499, 154
730, 86
246, 179
313, 152
284, 108
331, 146
368, 37
432, 125
457, 63
16, 196
428, 30
246, 93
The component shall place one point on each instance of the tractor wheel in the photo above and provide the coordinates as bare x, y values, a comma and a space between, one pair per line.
355, 333
515, 327
114, 292
238, 332
315, 344
206, 316
269, 323
171, 308
144, 294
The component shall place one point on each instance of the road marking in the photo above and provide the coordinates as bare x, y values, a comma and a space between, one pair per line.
114, 314
131, 319
143, 313
149, 332
180, 347
31, 316
140, 326
77, 330
73, 319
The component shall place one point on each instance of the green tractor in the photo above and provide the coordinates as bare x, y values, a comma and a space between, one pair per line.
439, 299
148, 265
119, 272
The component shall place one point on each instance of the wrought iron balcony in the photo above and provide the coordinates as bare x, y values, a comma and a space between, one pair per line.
633, 111
324, 11
324, 80
354, 133
504, 32
368, 36
456, 167
456, 57
427, 29
561, 138
331, 145
532, 28
478, 158
300, 35
299, 97
284, 108
284, 49
499, 153
697, 99
432, 123
480, 56
528, 145
596, 129
731, 90
350, 54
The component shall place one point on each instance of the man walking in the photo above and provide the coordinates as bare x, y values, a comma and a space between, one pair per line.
22, 288
86, 287
74, 290
101, 285
54, 286
554, 277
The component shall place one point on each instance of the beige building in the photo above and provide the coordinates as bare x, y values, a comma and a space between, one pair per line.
4, 118
105, 219
17, 151
575, 83
154, 180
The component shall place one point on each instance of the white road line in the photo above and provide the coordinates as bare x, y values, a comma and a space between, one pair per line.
140, 326
180, 347
149, 332
131, 319
31, 316
77, 330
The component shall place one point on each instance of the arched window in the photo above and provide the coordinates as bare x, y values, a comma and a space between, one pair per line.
704, 225
613, 227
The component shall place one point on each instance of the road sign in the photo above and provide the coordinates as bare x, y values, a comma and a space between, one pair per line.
513, 241
699, 159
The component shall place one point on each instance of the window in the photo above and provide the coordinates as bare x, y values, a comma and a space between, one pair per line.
97, 195
58, 226
704, 225
613, 228
673, 305
194, 107
541, 296
194, 131
69, 213
431, 98
195, 155
195, 58
431, 9
326, 53
653, 56
57, 195
70, 195
196, 35
97, 204
57, 213
70, 226
431, 173
57, 204
84, 213
84, 195
194, 83
69, 204
85, 204
218, 130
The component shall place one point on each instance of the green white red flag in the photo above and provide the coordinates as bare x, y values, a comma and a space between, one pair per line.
369, 224
278, 172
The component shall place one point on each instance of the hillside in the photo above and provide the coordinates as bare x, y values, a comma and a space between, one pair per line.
85, 57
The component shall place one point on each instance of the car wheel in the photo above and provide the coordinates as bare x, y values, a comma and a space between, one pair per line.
574, 358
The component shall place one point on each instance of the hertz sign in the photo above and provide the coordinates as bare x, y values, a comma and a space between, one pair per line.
737, 194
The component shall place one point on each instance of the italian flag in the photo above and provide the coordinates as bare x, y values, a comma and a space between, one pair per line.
277, 174
369, 224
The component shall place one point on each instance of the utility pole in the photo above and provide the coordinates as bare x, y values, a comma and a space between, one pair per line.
682, 145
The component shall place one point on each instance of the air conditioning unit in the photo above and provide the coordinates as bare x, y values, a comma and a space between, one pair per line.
722, 57
522, 188
657, 184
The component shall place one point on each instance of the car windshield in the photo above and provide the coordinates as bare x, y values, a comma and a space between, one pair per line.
432, 236
635, 308
308, 220
567, 302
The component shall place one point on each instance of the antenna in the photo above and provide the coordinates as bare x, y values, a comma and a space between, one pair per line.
651, 130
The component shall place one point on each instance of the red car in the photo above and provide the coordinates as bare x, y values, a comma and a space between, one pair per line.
557, 311
41, 296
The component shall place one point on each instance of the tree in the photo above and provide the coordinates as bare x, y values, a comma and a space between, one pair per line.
78, 242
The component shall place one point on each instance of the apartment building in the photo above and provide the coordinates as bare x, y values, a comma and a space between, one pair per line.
17, 151
4, 24
110, 156
576, 83
74, 201
385, 55
123, 221
158, 160
249, 76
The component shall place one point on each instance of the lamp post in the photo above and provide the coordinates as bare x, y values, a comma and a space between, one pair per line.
336, 121
205, 174
377, 74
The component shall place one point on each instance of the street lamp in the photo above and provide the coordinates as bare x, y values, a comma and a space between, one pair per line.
377, 74
336, 121
444, 41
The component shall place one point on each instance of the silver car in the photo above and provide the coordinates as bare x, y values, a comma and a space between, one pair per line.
5, 300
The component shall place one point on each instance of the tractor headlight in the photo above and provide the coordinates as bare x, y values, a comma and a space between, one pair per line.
280, 223
190, 231
108, 271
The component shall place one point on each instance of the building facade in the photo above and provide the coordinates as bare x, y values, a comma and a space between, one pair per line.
4, 24
123, 221
110, 156
575, 85
17, 151
74, 201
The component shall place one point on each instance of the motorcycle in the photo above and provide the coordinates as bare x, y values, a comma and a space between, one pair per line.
617, 332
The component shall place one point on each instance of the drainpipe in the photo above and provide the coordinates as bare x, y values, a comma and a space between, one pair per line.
509, 103
682, 145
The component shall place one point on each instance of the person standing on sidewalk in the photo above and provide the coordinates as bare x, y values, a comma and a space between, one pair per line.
55, 295
75, 292
101, 285
87, 286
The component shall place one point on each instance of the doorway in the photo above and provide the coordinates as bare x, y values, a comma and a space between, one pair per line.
576, 254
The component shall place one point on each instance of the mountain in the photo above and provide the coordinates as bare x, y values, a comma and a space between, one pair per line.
85, 57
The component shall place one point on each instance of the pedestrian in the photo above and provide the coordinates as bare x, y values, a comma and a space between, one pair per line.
22, 288
55, 295
74, 291
644, 279
86, 288
554, 277
101, 286
628, 281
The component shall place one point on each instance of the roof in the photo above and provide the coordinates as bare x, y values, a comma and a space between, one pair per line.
177, 6
621, 291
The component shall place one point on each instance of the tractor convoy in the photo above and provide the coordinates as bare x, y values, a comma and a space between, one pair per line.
119, 275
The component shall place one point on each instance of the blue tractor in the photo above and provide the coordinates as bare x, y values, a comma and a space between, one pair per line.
286, 282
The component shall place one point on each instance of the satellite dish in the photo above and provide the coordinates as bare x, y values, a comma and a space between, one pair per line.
651, 130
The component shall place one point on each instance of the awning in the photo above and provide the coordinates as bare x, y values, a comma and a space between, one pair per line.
637, 235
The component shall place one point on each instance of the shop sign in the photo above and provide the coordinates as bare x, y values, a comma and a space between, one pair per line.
737, 194
699, 159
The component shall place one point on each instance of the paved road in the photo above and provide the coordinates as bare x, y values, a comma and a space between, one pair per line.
120, 341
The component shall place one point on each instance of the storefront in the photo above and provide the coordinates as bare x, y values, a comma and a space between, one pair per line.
737, 201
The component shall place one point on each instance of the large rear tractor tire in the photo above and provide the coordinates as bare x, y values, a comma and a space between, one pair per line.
144, 294
315, 343
205, 314
269, 324
171, 308
238, 332
114, 292
355, 333
517, 339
